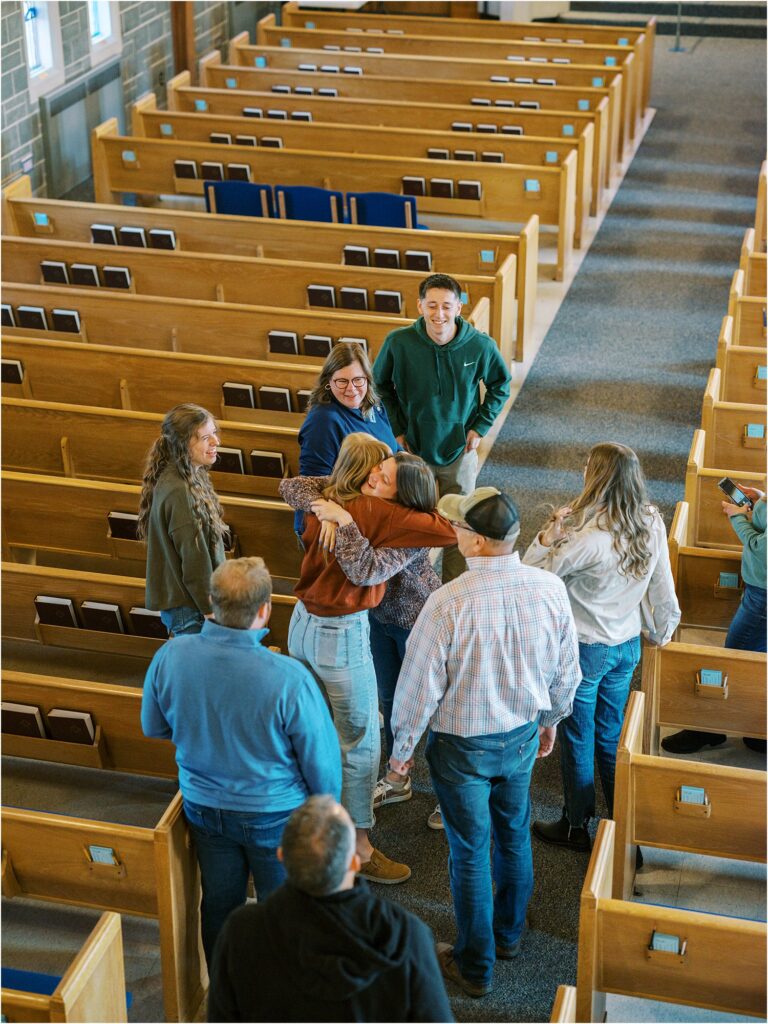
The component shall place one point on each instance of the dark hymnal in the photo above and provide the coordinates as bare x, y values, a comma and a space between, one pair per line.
387, 302
437, 154
329, 69
512, 129
546, 81
252, 112
277, 115
56, 611
274, 399
240, 395
461, 126
148, 623
480, 101
272, 141
389, 259
415, 259
316, 345
504, 103
284, 343
561, 60
67, 320
54, 272
229, 460
492, 158
524, 80
331, 46
116, 277
529, 104
304, 90
134, 237
352, 69
162, 238
301, 115
245, 140
281, 88
123, 525
307, 67
22, 719
441, 187
470, 190
537, 60
487, 129
103, 234
12, 371
302, 399
499, 78
327, 92
321, 295
212, 171
85, 274
230, 541
222, 138
32, 316
267, 463
70, 726
238, 172
357, 255
414, 186
185, 168
353, 298
105, 618
465, 154
8, 319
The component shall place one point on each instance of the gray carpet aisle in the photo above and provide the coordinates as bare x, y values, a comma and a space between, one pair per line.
626, 359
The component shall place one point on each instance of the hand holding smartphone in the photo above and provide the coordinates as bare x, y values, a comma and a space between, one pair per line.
734, 493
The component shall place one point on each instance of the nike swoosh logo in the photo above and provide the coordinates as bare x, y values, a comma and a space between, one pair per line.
471, 364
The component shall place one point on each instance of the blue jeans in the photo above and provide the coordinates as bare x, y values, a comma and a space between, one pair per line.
594, 727
483, 784
747, 629
230, 845
337, 650
388, 650
182, 619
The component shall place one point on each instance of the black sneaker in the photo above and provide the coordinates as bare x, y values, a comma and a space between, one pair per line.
562, 833
691, 742
752, 744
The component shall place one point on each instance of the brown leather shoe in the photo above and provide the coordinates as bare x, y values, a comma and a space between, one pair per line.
450, 971
383, 870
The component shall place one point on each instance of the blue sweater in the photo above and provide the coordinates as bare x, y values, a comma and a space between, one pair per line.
251, 729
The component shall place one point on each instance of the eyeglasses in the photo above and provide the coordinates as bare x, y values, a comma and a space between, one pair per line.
358, 383
460, 525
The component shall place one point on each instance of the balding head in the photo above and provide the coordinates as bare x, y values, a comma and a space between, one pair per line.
318, 847
240, 588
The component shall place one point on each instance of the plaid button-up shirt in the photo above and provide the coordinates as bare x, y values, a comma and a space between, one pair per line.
491, 650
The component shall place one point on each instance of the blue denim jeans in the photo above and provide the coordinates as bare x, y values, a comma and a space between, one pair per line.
594, 726
337, 649
182, 619
230, 845
483, 784
388, 650
747, 629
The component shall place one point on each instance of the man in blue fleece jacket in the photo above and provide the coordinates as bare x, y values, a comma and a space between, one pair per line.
428, 375
253, 739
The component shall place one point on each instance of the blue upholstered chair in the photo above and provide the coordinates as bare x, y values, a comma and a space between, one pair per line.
383, 209
306, 202
241, 198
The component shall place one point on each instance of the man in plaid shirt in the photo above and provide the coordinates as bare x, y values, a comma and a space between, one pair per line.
491, 667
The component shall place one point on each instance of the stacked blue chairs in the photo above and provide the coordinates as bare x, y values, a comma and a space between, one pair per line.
241, 198
383, 209
306, 202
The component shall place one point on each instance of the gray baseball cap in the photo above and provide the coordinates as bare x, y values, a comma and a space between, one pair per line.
486, 511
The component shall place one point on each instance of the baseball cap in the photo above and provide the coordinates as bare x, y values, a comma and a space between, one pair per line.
486, 511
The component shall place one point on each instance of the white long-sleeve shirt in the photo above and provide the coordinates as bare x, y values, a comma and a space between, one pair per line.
609, 607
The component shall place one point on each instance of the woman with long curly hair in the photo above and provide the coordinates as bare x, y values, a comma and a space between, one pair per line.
609, 547
180, 517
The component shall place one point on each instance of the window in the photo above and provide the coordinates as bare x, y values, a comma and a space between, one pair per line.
42, 40
104, 25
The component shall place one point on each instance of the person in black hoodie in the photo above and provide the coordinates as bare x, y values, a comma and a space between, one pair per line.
322, 947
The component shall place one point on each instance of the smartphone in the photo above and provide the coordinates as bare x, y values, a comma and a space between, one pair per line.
733, 493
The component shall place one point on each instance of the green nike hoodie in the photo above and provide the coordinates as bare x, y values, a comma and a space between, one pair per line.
431, 392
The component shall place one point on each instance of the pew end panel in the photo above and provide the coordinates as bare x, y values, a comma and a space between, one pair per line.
527, 285
19, 188
625, 848
564, 1006
590, 1000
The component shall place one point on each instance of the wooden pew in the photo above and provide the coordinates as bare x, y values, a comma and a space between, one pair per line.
675, 698
707, 527
149, 122
195, 326
22, 583
704, 580
119, 744
622, 93
748, 312
753, 263
154, 874
650, 811
61, 514
722, 966
59, 439
505, 194
580, 127
91, 989
743, 375
564, 1006
641, 40
727, 428
761, 209
249, 280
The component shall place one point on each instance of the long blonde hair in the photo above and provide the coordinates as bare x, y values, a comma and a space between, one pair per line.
615, 496
358, 455
172, 448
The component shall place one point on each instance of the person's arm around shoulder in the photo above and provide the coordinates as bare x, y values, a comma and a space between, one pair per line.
428, 998
661, 608
410, 528
364, 565
310, 729
153, 722
300, 491
383, 376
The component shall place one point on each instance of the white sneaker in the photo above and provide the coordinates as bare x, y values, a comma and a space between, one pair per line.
435, 820
387, 792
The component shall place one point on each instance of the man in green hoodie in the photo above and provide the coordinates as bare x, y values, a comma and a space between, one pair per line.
428, 376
